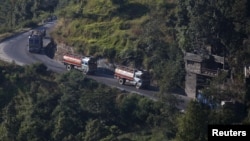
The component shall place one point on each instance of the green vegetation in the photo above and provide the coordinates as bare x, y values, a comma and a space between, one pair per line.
154, 35
19, 16
39, 105
128, 32
23, 13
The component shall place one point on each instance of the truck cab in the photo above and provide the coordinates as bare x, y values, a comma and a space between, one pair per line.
141, 79
89, 65
35, 43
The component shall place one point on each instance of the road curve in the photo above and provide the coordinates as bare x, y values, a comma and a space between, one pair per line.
15, 50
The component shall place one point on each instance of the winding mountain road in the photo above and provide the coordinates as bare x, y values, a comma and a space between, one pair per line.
14, 49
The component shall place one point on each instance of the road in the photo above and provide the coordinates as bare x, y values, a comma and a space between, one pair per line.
14, 49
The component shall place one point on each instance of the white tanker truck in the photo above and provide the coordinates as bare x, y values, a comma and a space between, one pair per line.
86, 64
138, 78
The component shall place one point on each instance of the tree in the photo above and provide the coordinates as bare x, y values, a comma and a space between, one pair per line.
193, 124
95, 130
100, 102
67, 115
9, 124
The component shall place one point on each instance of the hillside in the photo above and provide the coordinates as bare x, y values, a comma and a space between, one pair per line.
37, 104
112, 29
155, 35
132, 33
148, 34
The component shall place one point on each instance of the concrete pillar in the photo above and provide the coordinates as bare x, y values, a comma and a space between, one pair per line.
190, 84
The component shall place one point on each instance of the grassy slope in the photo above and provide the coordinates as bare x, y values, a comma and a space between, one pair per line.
103, 25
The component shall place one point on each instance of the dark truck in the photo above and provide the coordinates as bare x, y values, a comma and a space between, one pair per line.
37, 41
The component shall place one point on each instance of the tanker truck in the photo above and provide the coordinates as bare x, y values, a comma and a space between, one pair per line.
86, 64
138, 78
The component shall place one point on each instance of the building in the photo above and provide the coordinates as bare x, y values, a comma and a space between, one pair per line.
199, 68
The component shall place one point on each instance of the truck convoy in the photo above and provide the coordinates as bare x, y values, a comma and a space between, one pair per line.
37, 41
86, 64
138, 78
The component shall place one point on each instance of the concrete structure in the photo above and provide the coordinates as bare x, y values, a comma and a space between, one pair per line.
202, 67
247, 71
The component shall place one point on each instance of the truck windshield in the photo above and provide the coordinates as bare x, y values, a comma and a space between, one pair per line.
36, 41
145, 76
33, 41
92, 62
138, 76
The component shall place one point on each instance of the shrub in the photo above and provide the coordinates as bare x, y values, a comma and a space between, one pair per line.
30, 24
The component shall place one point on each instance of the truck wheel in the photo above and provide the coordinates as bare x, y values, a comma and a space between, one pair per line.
121, 81
68, 67
84, 71
137, 86
92, 73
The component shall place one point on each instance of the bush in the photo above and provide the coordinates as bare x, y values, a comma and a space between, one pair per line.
109, 53
5, 29
30, 24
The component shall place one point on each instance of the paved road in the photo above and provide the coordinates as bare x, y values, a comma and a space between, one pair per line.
15, 49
